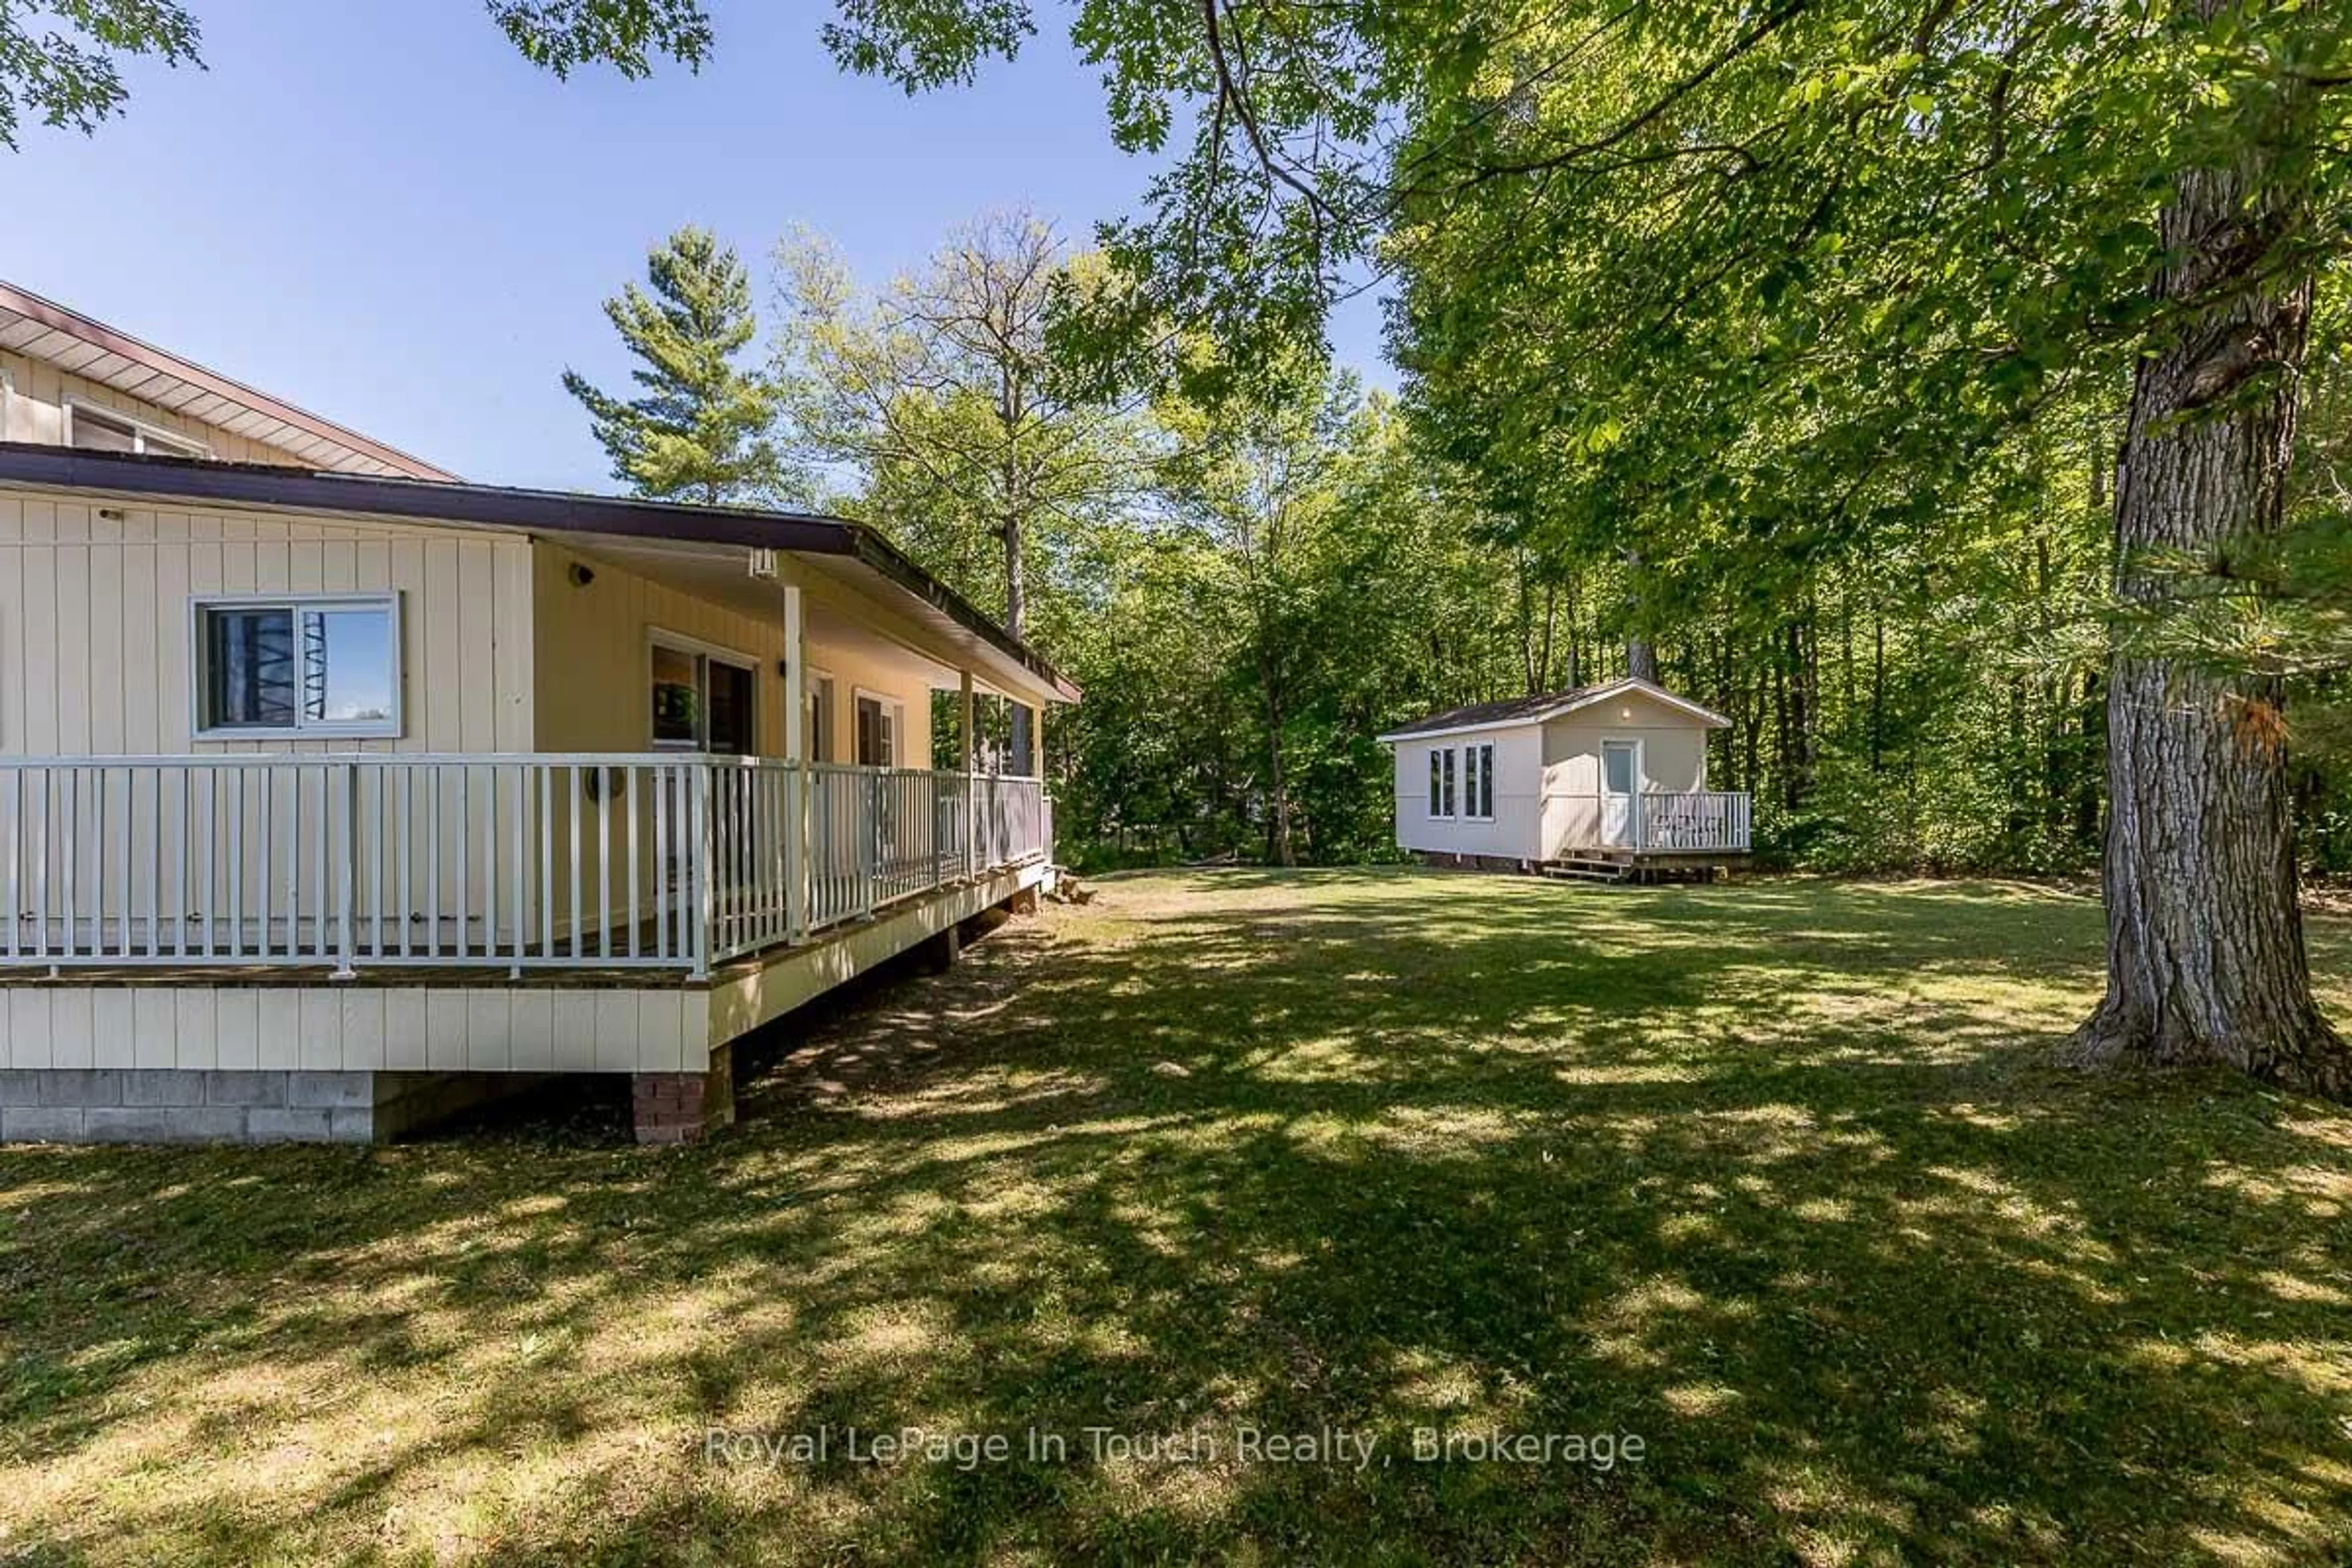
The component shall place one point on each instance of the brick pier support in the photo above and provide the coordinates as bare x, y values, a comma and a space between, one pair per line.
680, 1106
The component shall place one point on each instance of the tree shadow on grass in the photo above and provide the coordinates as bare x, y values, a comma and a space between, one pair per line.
1773, 1177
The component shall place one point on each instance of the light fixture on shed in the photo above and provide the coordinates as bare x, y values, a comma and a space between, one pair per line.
582, 574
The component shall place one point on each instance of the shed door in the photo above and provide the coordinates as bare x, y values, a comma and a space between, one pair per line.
1621, 776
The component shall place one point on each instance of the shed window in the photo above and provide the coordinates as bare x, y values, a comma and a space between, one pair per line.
1450, 754
1478, 781
1436, 783
324, 667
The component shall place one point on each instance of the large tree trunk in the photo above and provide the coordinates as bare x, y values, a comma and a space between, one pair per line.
2205, 952
1279, 846
1641, 654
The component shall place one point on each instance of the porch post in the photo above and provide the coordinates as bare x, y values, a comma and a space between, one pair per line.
796, 750
971, 786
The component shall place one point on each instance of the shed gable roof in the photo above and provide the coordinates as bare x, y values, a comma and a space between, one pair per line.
1517, 711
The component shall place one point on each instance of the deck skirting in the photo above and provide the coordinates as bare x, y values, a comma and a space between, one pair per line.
148, 1056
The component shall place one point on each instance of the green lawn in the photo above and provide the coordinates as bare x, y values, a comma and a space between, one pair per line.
1773, 1177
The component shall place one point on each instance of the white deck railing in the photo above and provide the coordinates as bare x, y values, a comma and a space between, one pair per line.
1657, 822
517, 862
1696, 822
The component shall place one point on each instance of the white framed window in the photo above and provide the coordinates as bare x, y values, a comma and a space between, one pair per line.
700, 697
323, 666
1452, 755
1478, 782
1436, 783
96, 429
818, 736
881, 724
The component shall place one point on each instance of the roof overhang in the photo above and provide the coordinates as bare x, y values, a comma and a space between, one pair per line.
45, 329
847, 552
1628, 687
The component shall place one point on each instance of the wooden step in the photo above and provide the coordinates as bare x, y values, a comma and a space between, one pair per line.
1580, 868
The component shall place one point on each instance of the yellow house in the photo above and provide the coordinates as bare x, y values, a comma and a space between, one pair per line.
334, 790
1604, 782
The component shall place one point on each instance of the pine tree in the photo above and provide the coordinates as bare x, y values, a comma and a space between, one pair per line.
698, 430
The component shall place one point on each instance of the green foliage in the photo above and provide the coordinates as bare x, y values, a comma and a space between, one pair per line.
938, 402
60, 60
698, 429
560, 36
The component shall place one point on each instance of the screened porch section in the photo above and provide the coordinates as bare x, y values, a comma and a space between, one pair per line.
622, 861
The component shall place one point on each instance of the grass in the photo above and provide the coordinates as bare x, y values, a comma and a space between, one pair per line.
1774, 1177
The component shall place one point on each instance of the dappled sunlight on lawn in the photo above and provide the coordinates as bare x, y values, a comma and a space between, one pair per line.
1775, 1175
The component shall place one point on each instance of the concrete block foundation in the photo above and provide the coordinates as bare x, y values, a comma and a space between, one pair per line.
181, 1105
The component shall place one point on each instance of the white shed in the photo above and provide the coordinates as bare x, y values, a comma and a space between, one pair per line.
1611, 776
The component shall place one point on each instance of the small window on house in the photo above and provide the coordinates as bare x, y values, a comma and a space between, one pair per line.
703, 700
1436, 783
819, 738
877, 732
1482, 774
95, 429
1450, 753
1470, 781
324, 667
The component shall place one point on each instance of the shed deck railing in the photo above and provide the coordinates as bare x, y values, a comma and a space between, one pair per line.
542, 862
1655, 822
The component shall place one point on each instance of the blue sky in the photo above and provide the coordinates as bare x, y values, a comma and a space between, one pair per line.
375, 209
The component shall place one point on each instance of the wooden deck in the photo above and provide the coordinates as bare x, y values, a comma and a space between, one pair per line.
451, 1018
1644, 866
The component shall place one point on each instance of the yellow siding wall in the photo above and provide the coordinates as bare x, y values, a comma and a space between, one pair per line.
36, 413
875, 665
593, 660
95, 637
852, 672
594, 651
